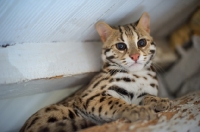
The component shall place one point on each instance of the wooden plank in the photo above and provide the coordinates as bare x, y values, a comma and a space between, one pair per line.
42, 85
29, 61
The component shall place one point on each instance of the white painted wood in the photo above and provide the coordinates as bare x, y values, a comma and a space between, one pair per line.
42, 85
29, 61
28, 21
31, 68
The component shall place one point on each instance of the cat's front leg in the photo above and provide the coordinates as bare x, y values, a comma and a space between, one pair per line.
101, 109
157, 103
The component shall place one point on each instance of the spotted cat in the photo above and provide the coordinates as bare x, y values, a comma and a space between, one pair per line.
126, 87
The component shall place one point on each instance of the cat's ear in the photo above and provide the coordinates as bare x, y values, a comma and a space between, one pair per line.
144, 22
104, 30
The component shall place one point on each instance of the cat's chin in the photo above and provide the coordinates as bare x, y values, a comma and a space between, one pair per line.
135, 67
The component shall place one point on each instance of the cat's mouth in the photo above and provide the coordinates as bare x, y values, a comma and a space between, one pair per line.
135, 67
135, 64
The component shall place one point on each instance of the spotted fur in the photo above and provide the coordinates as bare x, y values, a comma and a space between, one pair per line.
126, 87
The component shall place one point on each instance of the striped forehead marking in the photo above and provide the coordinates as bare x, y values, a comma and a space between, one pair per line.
129, 34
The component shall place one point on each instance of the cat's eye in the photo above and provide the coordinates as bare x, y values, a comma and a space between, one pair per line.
142, 43
121, 46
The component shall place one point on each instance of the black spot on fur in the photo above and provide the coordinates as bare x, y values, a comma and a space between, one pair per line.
106, 65
115, 71
91, 98
47, 109
118, 79
121, 36
33, 122
84, 106
152, 68
102, 87
85, 95
61, 124
93, 109
102, 99
62, 130
107, 50
119, 90
153, 85
111, 107
114, 112
100, 108
141, 95
110, 57
52, 119
150, 75
152, 43
153, 100
124, 79
127, 79
74, 127
110, 102
97, 83
152, 51
52, 108
136, 76
76, 112
71, 114
44, 129
111, 80
103, 93
64, 118
163, 100
131, 95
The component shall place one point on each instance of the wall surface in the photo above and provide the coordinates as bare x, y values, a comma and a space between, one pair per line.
35, 21
15, 111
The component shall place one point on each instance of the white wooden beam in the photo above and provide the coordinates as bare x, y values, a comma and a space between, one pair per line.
39, 67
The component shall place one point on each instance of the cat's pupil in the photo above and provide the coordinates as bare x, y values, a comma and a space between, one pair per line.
121, 46
141, 43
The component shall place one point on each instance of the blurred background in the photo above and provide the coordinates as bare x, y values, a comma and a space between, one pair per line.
48, 49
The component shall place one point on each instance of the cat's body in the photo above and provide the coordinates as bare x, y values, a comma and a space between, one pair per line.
125, 88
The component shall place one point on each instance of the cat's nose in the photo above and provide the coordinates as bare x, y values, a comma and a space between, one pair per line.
135, 57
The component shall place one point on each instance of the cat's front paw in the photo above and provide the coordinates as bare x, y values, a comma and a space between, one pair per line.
140, 113
147, 113
163, 104
157, 103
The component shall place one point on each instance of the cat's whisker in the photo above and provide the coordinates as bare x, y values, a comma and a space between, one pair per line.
158, 67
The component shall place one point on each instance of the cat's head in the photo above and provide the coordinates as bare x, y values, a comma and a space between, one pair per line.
129, 46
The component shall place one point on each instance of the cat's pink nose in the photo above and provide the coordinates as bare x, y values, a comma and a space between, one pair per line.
135, 57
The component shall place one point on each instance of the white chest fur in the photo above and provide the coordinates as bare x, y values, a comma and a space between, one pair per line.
138, 83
